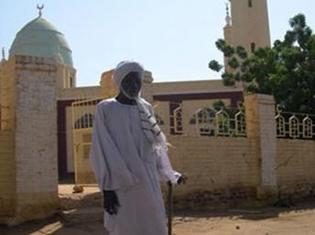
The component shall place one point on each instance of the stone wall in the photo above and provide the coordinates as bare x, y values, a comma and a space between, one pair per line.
7, 95
261, 128
183, 87
7, 175
229, 169
80, 93
215, 164
30, 174
36, 138
295, 166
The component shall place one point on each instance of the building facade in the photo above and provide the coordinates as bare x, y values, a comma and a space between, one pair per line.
44, 115
247, 24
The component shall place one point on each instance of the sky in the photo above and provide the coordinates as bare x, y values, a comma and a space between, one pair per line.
174, 39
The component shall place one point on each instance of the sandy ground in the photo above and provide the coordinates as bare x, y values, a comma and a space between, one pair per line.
82, 215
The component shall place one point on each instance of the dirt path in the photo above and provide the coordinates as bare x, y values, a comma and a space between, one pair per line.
292, 223
82, 215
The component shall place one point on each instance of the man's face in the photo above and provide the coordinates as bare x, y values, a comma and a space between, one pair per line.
132, 84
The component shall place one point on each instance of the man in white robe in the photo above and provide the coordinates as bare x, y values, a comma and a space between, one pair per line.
129, 157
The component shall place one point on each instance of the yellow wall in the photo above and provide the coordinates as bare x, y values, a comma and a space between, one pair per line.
161, 88
295, 163
214, 163
254, 166
80, 92
7, 94
28, 142
7, 175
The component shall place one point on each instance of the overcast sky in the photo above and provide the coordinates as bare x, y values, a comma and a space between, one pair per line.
172, 38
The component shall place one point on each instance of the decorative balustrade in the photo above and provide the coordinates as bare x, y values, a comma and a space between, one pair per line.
210, 122
295, 125
226, 122
178, 123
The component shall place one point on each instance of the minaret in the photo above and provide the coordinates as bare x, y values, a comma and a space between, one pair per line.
250, 24
228, 31
228, 27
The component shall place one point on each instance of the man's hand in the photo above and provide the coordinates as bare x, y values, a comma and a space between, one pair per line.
182, 179
111, 202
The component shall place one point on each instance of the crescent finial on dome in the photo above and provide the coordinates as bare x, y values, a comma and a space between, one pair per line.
40, 8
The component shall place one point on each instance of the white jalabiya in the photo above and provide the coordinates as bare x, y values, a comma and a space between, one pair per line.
125, 161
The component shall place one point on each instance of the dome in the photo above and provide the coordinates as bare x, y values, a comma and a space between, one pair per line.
40, 38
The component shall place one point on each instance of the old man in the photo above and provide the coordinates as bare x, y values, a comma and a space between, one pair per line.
129, 157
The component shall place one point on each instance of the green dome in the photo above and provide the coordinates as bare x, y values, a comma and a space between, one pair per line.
40, 38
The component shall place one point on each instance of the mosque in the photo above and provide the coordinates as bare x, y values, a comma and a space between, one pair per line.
41, 106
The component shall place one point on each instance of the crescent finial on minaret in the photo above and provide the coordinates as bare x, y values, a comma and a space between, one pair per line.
40, 8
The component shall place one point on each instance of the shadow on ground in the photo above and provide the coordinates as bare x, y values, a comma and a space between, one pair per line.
251, 213
82, 214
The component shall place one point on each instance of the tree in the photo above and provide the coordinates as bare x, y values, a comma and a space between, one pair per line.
286, 70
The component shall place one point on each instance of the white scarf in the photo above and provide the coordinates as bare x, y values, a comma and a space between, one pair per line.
149, 123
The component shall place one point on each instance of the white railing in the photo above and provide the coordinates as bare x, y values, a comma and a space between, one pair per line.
226, 122
204, 121
177, 119
295, 125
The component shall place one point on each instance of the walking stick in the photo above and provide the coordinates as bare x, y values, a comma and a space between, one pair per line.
170, 207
